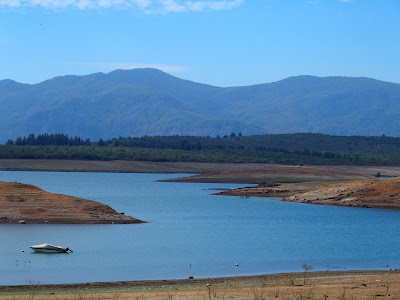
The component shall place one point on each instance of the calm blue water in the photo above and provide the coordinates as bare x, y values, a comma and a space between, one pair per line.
191, 233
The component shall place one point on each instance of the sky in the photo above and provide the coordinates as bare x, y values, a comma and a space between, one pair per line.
222, 43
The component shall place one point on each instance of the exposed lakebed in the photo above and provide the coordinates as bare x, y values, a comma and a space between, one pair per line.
191, 233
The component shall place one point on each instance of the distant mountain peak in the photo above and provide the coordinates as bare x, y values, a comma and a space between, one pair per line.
138, 70
148, 101
9, 84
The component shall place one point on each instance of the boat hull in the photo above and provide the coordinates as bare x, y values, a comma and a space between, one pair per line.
47, 248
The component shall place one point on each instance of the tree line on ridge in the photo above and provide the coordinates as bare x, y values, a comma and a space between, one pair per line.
299, 148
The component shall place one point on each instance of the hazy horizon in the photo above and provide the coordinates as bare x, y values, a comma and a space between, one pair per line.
251, 84
221, 43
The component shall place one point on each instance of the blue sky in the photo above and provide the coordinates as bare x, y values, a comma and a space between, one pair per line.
223, 43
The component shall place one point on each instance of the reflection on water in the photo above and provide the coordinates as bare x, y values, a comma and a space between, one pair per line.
191, 233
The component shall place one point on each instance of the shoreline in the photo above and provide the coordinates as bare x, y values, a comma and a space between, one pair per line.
216, 172
188, 281
336, 185
238, 287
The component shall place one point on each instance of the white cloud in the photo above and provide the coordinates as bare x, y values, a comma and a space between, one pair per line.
175, 6
81, 4
166, 6
147, 6
129, 66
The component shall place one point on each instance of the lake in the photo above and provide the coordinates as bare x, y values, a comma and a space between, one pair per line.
191, 233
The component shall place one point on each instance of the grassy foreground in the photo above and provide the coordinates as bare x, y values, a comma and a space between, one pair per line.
310, 285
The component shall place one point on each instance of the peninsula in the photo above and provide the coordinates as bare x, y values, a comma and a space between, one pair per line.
373, 193
350, 186
24, 203
366, 193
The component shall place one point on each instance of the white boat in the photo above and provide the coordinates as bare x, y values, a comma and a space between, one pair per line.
47, 248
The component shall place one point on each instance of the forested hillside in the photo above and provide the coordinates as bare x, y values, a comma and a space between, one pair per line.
281, 148
150, 102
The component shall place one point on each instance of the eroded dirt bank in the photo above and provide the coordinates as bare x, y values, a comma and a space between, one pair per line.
373, 193
272, 173
216, 172
351, 186
367, 193
121, 166
33, 205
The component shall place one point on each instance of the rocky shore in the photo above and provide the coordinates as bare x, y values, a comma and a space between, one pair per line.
373, 193
368, 193
24, 203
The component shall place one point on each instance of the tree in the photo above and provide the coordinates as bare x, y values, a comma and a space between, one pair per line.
101, 143
306, 268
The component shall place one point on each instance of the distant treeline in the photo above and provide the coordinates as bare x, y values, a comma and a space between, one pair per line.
304, 148
306, 143
46, 139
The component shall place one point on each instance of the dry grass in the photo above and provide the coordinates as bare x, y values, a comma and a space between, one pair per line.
321, 285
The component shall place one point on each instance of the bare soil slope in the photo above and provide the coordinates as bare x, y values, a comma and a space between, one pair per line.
273, 173
373, 193
29, 203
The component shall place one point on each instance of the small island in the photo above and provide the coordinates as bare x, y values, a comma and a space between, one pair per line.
24, 203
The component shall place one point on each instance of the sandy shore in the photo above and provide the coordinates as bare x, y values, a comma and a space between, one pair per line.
311, 285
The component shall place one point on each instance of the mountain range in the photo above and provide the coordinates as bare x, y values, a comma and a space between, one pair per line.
150, 102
